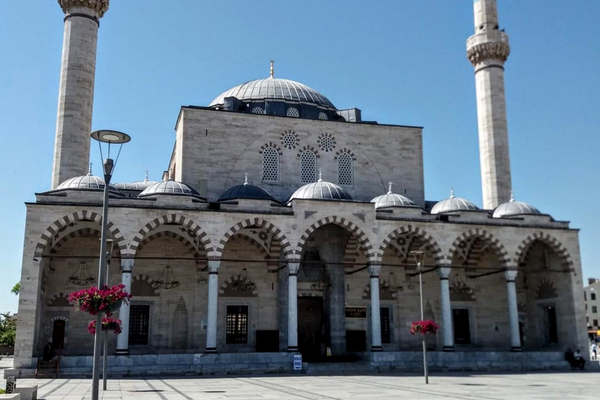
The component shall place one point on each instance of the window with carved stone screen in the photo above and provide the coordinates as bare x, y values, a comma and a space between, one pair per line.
270, 165
258, 110
345, 169
384, 316
237, 325
139, 321
308, 167
293, 112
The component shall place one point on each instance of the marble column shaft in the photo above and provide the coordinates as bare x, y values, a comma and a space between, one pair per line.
293, 306
374, 271
213, 299
447, 327
513, 310
124, 311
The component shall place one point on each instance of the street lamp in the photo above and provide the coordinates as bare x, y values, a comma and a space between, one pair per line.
108, 137
420, 260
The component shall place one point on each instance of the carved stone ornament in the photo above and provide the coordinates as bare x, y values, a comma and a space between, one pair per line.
99, 6
486, 51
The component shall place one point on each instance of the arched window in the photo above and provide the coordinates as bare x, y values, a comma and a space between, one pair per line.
258, 110
293, 112
345, 169
270, 165
308, 166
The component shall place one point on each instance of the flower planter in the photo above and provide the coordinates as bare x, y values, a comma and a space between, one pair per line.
111, 326
94, 300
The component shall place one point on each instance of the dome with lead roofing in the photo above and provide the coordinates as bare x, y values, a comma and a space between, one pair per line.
85, 182
138, 185
513, 208
321, 190
452, 204
246, 191
274, 88
392, 200
170, 187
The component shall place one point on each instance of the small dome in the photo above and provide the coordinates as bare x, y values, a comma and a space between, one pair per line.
453, 204
86, 182
512, 208
170, 187
246, 191
392, 200
321, 190
138, 185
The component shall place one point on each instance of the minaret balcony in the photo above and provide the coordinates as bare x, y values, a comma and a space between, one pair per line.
488, 46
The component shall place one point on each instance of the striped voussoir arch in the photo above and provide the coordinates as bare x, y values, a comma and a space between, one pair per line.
83, 215
254, 223
84, 232
438, 255
274, 253
194, 230
350, 226
240, 236
547, 239
351, 252
485, 236
180, 238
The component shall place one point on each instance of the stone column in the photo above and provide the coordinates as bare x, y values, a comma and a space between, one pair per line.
76, 91
488, 50
513, 310
374, 271
213, 299
123, 338
447, 328
293, 306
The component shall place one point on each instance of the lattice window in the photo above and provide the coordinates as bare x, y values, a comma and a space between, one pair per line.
345, 169
139, 321
386, 333
292, 112
308, 166
289, 140
237, 325
326, 142
323, 116
270, 165
258, 110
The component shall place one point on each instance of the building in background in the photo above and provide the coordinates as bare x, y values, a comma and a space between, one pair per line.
276, 229
591, 297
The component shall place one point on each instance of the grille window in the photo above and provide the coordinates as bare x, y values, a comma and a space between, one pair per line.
345, 169
384, 315
270, 165
293, 112
322, 116
139, 320
258, 110
237, 325
308, 167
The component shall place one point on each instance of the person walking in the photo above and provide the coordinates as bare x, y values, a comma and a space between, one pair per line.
594, 348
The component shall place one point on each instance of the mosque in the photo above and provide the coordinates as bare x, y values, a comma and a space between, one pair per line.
284, 225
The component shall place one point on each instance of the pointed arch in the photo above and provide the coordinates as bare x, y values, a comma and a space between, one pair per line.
52, 233
193, 230
350, 226
83, 232
461, 245
438, 255
256, 223
184, 240
547, 239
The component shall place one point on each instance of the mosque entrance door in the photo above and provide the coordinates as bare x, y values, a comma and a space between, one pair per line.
310, 326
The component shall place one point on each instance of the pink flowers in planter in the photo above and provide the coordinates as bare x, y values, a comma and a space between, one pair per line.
94, 300
108, 324
424, 328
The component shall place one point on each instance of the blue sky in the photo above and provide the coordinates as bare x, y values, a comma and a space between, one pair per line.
400, 61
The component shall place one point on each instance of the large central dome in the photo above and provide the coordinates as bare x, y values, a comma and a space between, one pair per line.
274, 88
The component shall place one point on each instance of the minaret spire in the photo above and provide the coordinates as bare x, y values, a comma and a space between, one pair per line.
272, 69
487, 50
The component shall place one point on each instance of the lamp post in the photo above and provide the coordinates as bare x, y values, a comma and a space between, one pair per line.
420, 259
109, 137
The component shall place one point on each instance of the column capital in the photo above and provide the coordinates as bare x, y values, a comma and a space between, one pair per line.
510, 275
98, 6
293, 267
213, 266
444, 272
374, 270
127, 265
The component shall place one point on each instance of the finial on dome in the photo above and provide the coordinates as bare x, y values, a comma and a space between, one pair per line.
320, 176
170, 174
245, 178
451, 192
512, 196
146, 176
90, 169
389, 188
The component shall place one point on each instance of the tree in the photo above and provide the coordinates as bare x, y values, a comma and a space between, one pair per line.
8, 329
16, 289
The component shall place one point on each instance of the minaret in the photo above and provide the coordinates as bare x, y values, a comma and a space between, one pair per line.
487, 50
76, 92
